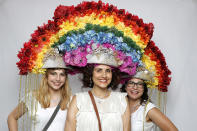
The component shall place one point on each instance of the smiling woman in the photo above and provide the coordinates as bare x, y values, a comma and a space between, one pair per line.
52, 97
111, 108
144, 114
56, 78
91, 69
110, 105
102, 76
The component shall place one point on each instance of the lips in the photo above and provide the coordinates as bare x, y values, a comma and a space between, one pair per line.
134, 92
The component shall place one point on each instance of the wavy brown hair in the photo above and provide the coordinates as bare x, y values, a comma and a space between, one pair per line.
43, 96
88, 73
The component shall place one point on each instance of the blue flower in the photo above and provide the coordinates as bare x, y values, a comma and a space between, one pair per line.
120, 39
61, 47
80, 40
135, 55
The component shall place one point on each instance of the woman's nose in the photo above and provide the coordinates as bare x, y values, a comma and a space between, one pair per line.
58, 77
135, 86
104, 74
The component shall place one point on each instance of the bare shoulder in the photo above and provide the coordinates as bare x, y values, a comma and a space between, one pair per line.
161, 120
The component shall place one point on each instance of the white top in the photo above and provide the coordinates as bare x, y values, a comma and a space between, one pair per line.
42, 116
137, 119
110, 111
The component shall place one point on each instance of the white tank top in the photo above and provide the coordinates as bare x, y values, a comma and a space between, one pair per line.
137, 119
110, 111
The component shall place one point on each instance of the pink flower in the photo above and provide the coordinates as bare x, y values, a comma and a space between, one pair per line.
128, 66
107, 45
88, 48
120, 55
76, 57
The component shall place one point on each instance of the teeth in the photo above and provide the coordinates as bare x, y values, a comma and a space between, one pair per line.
135, 92
103, 80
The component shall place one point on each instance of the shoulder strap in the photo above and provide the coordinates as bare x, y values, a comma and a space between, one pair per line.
52, 117
95, 109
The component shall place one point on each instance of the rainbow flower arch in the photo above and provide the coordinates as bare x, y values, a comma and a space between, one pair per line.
73, 27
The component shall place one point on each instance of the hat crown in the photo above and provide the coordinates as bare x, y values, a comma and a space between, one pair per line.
53, 59
143, 74
102, 55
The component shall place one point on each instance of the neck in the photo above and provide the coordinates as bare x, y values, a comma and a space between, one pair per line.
100, 92
134, 105
134, 102
55, 95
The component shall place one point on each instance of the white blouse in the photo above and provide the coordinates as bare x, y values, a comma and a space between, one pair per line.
40, 116
138, 117
110, 111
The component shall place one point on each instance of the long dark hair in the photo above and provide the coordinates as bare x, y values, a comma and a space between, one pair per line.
88, 73
144, 97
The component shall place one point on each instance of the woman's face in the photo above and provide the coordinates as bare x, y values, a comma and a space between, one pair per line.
135, 88
102, 76
56, 78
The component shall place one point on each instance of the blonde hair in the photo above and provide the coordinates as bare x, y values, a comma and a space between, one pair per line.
43, 96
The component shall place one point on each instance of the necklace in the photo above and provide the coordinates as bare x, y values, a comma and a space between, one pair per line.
106, 94
99, 99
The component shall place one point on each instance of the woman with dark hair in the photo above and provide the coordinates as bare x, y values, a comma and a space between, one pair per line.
100, 108
88, 73
145, 115
144, 97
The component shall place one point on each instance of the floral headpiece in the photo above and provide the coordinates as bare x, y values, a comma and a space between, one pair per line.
74, 29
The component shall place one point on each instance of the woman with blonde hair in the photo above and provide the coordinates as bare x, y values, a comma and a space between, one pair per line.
48, 104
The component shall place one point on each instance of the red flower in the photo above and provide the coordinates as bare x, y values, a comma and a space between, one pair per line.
23, 66
27, 52
121, 12
88, 5
99, 5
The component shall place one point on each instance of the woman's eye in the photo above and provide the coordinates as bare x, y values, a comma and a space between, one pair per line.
108, 70
52, 73
62, 74
98, 70
131, 83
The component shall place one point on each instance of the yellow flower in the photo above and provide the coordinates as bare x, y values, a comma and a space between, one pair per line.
53, 39
39, 61
150, 66
72, 45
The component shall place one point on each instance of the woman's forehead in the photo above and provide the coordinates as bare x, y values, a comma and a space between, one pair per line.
136, 79
56, 70
102, 66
